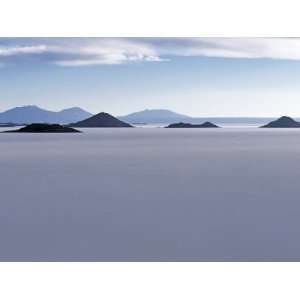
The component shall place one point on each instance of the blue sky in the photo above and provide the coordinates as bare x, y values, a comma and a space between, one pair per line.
194, 76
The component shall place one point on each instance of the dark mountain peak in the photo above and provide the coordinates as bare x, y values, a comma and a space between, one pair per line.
188, 125
44, 128
286, 119
101, 119
283, 122
104, 114
209, 124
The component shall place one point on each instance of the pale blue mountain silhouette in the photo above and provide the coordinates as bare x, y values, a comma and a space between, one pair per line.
34, 114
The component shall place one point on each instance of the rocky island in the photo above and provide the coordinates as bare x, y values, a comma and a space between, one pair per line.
188, 125
283, 122
44, 128
101, 120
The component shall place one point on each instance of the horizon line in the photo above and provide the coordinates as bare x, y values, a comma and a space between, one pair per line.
145, 109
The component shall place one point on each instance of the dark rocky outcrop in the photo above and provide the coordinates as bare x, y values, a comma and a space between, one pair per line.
283, 122
188, 125
101, 120
45, 128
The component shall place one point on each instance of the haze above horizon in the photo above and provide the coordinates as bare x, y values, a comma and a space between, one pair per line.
199, 77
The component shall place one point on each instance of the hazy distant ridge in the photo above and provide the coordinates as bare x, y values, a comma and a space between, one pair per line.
168, 116
154, 116
35, 114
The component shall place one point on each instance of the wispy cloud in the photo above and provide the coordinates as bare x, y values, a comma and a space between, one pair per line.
19, 50
108, 60
83, 51
272, 48
112, 51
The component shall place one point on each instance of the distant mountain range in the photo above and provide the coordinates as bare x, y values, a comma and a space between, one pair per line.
165, 116
34, 114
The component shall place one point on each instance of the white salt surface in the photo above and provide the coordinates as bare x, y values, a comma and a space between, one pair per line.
150, 194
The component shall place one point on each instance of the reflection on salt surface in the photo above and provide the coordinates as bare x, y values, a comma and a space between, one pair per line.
155, 194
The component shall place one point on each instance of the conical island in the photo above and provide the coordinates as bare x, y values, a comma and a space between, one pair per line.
101, 120
44, 128
283, 122
188, 125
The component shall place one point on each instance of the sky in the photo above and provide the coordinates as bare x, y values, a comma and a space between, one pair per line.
193, 76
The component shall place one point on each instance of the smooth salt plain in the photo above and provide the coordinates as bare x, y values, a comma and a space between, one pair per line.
151, 194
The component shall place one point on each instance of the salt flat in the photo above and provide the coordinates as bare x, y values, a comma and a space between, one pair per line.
148, 194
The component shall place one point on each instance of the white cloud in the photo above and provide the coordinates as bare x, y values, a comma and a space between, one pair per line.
96, 51
17, 50
84, 52
272, 48
108, 60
